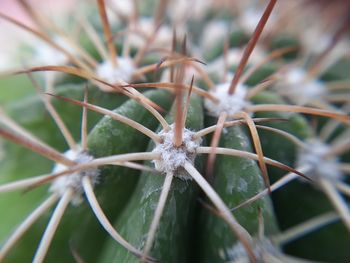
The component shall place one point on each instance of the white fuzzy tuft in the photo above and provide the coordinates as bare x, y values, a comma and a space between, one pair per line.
231, 104
147, 27
249, 19
60, 184
189, 72
261, 247
301, 90
182, 10
233, 57
315, 34
215, 33
122, 72
123, 7
314, 155
173, 158
48, 55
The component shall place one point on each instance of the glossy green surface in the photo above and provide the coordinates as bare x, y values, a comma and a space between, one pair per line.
172, 243
235, 180
79, 230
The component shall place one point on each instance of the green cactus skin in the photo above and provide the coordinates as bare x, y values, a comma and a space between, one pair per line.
276, 147
31, 114
235, 180
117, 184
297, 201
172, 243
236, 39
330, 244
23, 89
285, 40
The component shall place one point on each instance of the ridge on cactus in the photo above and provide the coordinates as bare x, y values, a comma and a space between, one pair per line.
67, 185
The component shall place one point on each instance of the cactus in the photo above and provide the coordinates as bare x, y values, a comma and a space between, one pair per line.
177, 131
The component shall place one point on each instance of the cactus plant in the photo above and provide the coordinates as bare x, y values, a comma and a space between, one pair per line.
177, 131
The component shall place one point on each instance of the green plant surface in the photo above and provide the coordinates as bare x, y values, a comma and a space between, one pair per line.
172, 242
73, 235
235, 180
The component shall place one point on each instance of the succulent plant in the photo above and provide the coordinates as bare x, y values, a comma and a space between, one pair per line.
177, 131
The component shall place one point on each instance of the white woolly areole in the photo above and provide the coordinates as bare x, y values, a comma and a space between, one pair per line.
183, 10
146, 26
215, 33
249, 19
301, 90
261, 247
233, 57
314, 155
231, 104
189, 72
173, 158
61, 183
312, 35
123, 7
122, 72
48, 55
